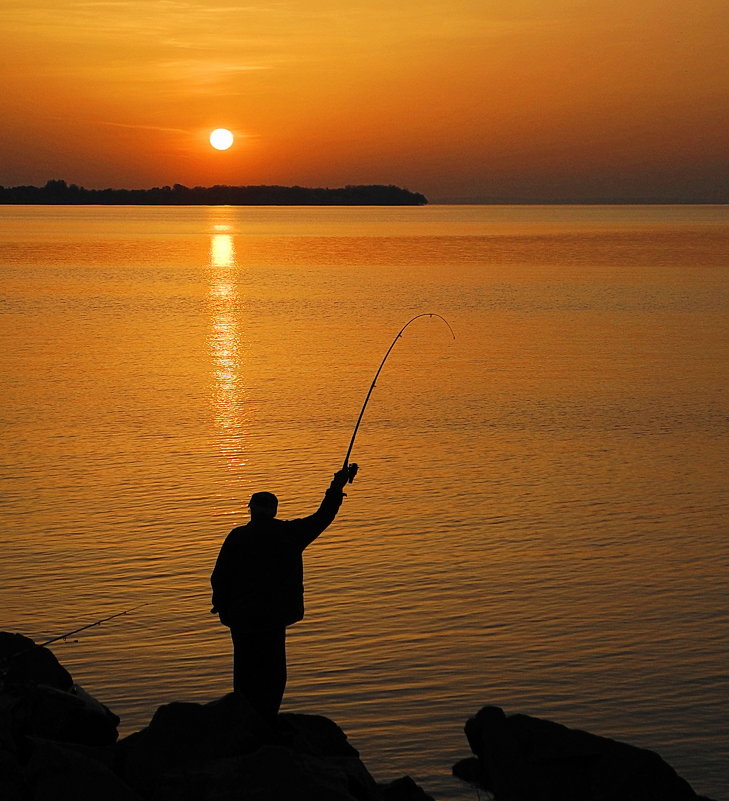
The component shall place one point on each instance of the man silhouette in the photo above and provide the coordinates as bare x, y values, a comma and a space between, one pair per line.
258, 590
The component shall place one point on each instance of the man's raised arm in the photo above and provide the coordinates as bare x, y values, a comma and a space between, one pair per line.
309, 528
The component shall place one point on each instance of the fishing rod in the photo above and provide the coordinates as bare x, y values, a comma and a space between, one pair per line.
345, 466
71, 633
89, 626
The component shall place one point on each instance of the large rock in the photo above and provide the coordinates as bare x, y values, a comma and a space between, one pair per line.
55, 739
12, 781
521, 758
22, 661
271, 773
64, 772
38, 697
62, 716
221, 750
57, 743
183, 737
403, 789
215, 750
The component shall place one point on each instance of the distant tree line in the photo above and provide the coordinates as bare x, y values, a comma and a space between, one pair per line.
59, 192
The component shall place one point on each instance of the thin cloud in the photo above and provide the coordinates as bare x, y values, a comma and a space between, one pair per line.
139, 127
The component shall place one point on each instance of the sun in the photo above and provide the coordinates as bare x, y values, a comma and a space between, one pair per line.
221, 138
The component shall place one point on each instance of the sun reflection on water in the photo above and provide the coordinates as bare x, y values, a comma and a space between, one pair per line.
227, 388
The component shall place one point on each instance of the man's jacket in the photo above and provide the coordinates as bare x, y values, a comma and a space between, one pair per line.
258, 580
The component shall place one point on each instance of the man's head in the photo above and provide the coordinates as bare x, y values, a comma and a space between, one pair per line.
263, 505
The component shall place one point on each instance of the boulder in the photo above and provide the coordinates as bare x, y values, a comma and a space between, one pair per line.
270, 773
216, 750
314, 734
22, 661
61, 772
184, 736
63, 716
57, 743
320, 739
12, 781
38, 697
404, 789
522, 758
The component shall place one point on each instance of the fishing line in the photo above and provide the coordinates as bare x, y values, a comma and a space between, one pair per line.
374, 382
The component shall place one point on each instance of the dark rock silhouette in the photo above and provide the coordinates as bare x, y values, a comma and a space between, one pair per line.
39, 698
31, 663
521, 758
57, 743
64, 772
60, 744
59, 192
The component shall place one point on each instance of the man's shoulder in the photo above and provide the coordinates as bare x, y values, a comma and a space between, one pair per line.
238, 530
237, 534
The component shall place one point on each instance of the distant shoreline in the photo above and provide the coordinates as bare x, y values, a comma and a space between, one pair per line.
59, 193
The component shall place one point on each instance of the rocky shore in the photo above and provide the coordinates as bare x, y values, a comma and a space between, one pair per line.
522, 758
57, 743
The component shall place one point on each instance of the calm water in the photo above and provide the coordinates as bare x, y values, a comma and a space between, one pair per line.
540, 520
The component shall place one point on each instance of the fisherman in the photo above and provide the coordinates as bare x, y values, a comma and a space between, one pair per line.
258, 590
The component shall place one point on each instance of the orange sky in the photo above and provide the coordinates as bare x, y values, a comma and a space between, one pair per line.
458, 99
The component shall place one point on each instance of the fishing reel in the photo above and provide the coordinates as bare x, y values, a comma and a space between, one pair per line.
351, 472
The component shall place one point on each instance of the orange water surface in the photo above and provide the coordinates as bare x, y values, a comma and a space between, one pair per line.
540, 519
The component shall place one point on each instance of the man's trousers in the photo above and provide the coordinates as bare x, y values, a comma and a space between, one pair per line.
259, 667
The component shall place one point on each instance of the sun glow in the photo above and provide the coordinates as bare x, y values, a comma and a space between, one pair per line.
221, 138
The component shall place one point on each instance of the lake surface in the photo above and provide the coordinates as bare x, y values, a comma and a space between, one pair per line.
540, 518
